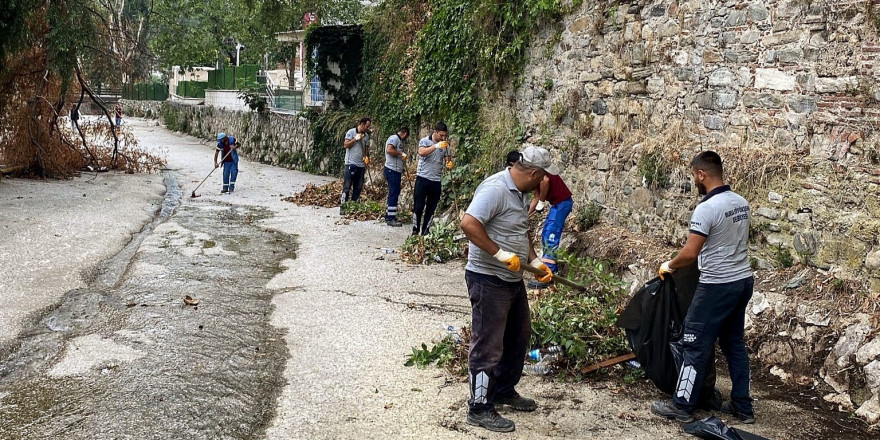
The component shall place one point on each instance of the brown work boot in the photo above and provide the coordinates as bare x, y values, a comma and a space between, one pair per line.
491, 420
516, 402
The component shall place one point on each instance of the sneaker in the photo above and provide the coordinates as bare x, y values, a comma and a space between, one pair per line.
516, 402
394, 223
668, 409
224, 191
535, 284
491, 420
728, 408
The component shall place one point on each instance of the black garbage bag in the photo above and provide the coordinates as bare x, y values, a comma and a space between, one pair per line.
652, 320
711, 428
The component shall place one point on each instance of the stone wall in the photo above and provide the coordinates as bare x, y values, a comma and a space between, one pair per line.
275, 139
626, 92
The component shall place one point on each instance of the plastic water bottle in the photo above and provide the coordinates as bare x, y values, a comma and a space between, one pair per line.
553, 352
389, 250
538, 369
452, 331
634, 364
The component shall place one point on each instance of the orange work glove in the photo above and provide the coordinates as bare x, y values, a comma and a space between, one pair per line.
442, 145
449, 165
548, 274
664, 269
508, 258
366, 161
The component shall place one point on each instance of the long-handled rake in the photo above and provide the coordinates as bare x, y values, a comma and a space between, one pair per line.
209, 174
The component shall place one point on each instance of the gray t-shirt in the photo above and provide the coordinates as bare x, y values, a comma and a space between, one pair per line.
431, 166
723, 218
394, 163
355, 154
503, 211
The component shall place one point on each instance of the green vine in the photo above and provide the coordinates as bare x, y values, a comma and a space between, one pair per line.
339, 46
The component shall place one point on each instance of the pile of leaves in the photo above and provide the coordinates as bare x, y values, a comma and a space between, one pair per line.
371, 205
439, 246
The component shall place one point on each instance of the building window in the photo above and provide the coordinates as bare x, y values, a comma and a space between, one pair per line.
316, 92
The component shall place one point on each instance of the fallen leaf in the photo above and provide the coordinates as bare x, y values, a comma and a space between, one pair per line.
388, 405
190, 301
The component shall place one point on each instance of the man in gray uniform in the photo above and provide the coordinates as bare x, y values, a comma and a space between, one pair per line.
718, 240
394, 163
496, 224
357, 156
433, 156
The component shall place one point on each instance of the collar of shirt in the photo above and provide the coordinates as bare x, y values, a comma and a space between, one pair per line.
508, 181
715, 192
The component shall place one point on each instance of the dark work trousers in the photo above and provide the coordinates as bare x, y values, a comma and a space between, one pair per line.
716, 313
393, 178
500, 334
426, 196
354, 177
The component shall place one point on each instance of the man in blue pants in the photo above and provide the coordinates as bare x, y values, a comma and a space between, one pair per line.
227, 149
718, 240
394, 164
555, 192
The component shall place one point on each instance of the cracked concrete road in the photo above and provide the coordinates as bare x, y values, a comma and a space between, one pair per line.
348, 313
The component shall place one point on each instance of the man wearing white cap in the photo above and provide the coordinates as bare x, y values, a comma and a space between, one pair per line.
496, 224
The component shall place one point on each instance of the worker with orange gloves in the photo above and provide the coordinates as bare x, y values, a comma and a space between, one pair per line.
433, 156
357, 157
496, 224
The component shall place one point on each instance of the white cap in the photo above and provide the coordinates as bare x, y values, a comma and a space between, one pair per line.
539, 158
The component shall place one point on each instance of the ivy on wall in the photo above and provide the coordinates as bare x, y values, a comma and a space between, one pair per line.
340, 47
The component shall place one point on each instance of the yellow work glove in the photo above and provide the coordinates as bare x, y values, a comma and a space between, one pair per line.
508, 258
366, 161
548, 274
359, 136
403, 156
442, 145
664, 269
539, 206
449, 165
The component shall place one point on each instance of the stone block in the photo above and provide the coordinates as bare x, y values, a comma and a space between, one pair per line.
688, 74
852, 339
761, 100
758, 12
591, 76
580, 25
872, 261
781, 38
604, 162
869, 352
802, 104
739, 119
774, 80
835, 85
642, 200
636, 88
713, 122
656, 85
725, 100
749, 37
740, 57
721, 77
870, 410
736, 18
768, 212
789, 56
599, 107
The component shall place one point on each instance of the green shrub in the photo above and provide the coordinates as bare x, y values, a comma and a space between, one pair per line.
783, 257
654, 170
582, 323
439, 246
588, 216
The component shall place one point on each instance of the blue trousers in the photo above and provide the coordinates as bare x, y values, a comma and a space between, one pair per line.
393, 179
352, 181
230, 173
500, 330
553, 232
717, 313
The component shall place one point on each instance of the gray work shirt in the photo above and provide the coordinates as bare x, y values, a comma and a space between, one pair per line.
723, 218
503, 210
394, 163
355, 154
431, 166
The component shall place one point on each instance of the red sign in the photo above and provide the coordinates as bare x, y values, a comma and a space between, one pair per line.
309, 18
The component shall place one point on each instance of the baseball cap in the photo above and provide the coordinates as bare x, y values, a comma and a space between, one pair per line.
539, 158
220, 136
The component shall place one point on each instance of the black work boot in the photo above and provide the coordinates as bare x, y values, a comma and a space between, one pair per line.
729, 408
668, 409
516, 402
491, 420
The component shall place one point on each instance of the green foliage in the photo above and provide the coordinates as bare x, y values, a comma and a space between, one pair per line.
633, 375
328, 131
783, 257
441, 353
582, 324
438, 246
342, 47
654, 169
369, 207
588, 216
254, 95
